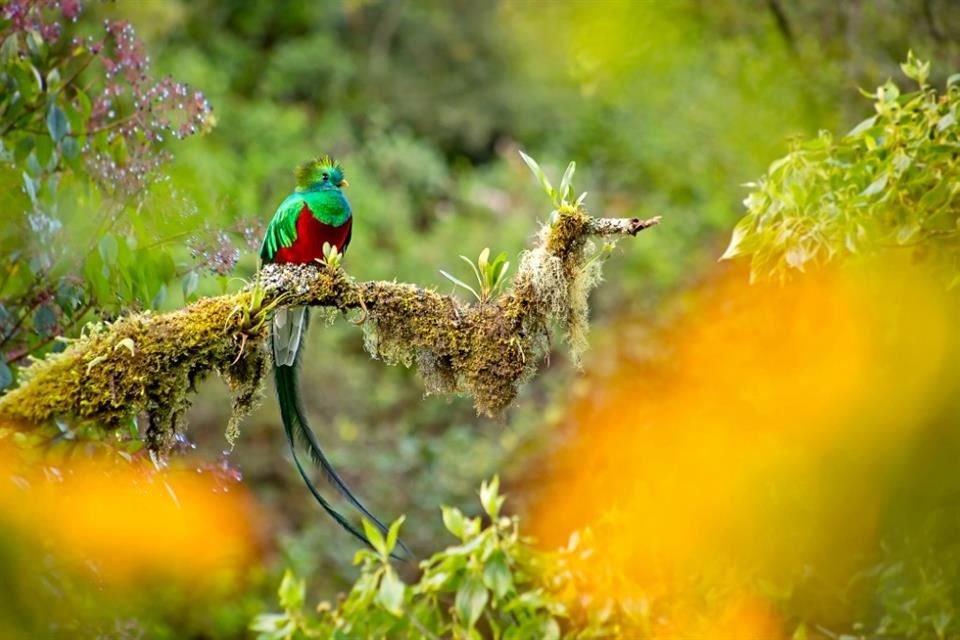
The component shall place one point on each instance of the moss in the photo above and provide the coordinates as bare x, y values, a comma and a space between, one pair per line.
144, 364
488, 351
150, 364
245, 380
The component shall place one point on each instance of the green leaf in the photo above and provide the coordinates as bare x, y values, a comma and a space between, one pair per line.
504, 267
953, 79
375, 537
53, 80
393, 533
453, 520
273, 626
292, 591
484, 259
887, 92
366, 585
473, 267
566, 182
735, 248
460, 283
84, 105
936, 197
550, 630
45, 320
863, 126
432, 581
947, 121
9, 49
44, 150
490, 498
57, 123
6, 374
471, 599
907, 232
190, 284
540, 175
71, 148
36, 46
23, 149
497, 575
33, 166
29, 185
392, 589
29, 81
118, 149
916, 69
497, 265
876, 186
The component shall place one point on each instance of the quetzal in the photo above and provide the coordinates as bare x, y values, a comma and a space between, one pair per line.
317, 212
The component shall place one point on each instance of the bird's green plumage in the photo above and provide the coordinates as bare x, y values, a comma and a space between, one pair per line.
328, 205
318, 187
318, 194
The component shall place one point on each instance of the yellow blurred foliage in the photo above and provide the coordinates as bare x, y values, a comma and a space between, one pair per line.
128, 520
751, 453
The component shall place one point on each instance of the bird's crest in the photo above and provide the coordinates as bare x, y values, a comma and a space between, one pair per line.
312, 172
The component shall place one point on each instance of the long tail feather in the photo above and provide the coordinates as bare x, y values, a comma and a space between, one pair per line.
295, 423
336, 515
297, 428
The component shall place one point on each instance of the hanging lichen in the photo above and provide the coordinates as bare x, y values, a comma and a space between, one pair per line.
150, 364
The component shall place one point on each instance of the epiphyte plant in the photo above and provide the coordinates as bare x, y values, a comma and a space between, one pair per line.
490, 276
560, 197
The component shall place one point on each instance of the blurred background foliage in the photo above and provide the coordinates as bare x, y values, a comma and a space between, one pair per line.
666, 107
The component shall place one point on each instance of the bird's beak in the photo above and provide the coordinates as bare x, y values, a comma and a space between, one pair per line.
344, 183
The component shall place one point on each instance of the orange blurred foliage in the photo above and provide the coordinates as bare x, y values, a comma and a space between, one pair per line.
128, 520
751, 452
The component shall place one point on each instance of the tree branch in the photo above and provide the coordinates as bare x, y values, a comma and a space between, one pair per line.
150, 363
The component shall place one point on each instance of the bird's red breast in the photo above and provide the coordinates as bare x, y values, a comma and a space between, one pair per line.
311, 234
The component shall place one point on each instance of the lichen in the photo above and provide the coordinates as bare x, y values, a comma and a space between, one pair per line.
149, 364
585, 278
97, 376
244, 378
488, 350
324, 316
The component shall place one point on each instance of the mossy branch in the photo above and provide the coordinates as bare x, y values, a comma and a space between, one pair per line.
148, 364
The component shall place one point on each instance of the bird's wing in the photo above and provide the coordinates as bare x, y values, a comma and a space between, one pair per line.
282, 230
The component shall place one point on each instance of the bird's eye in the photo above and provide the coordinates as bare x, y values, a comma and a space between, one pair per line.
325, 176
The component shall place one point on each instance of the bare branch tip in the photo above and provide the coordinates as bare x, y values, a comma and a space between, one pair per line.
637, 225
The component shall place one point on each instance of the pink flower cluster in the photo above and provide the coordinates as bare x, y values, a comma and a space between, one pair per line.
28, 15
126, 102
218, 254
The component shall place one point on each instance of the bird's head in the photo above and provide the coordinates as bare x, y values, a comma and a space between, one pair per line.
322, 173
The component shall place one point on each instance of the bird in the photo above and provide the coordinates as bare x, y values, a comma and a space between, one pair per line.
315, 214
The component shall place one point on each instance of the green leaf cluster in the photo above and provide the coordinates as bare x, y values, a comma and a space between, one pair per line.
562, 195
491, 275
331, 255
890, 183
492, 583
